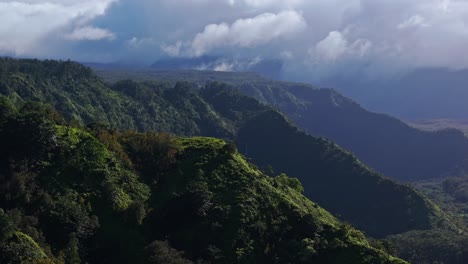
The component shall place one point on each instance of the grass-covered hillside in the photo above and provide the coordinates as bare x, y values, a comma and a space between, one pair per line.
72, 194
330, 175
383, 142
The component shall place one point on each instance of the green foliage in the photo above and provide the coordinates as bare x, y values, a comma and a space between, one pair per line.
7, 108
457, 187
21, 248
120, 191
229, 212
72, 254
7, 227
66, 179
83, 204
427, 247
159, 252
151, 153
377, 139
327, 172
285, 181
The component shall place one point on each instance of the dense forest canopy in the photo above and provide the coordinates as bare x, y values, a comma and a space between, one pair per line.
74, 194
105, 173
382, 142
262, 133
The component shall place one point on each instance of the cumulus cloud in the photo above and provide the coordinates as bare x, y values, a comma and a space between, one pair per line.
90, 33
394, 34
249, 32
376, 33
335, 46
24, 23
332, 47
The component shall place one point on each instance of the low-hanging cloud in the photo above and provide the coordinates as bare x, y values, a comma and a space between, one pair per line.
90, 33
336, 46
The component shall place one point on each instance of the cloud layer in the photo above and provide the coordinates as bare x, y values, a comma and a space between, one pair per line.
311, 36
25, 24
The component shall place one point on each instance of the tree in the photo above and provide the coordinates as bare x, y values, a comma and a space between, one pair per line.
72, 255
7, 228
160, 252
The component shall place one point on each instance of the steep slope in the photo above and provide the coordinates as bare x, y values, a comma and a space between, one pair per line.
382, 142
328, 172
71, 195
76, 92
331, 175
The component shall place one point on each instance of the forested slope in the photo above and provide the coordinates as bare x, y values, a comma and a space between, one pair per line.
72, 194
330, 175
380, 141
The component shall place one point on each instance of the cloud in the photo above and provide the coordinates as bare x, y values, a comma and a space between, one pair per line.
305, 34
249, 32
267, 3
414, 21
335, 46
137, 43
332, 47
173, 50
90, 33
25, 23
224, 67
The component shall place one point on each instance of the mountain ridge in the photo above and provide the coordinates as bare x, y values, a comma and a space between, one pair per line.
101, 201
221, 111
379, 140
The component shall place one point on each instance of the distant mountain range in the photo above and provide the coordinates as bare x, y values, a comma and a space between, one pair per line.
219, 110
101, 193
267, 67
381, 141
427, 93
421, 93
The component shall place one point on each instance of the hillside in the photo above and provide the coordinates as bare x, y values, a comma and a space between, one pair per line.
384, 143
330, 175
72, 194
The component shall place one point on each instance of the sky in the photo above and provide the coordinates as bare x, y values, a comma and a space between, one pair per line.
316, 37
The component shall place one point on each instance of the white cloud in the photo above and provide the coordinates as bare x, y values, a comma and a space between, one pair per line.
224, 67
249, 32
444, 5
267, 3
90, 33
173, 50
286, 55
414, 21
24, 23
335, 46
398, 32
137, 43
332, 47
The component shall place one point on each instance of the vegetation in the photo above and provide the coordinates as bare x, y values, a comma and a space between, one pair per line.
428, 247
450, 194
380, 141
108, 193
72, 194
221, 111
